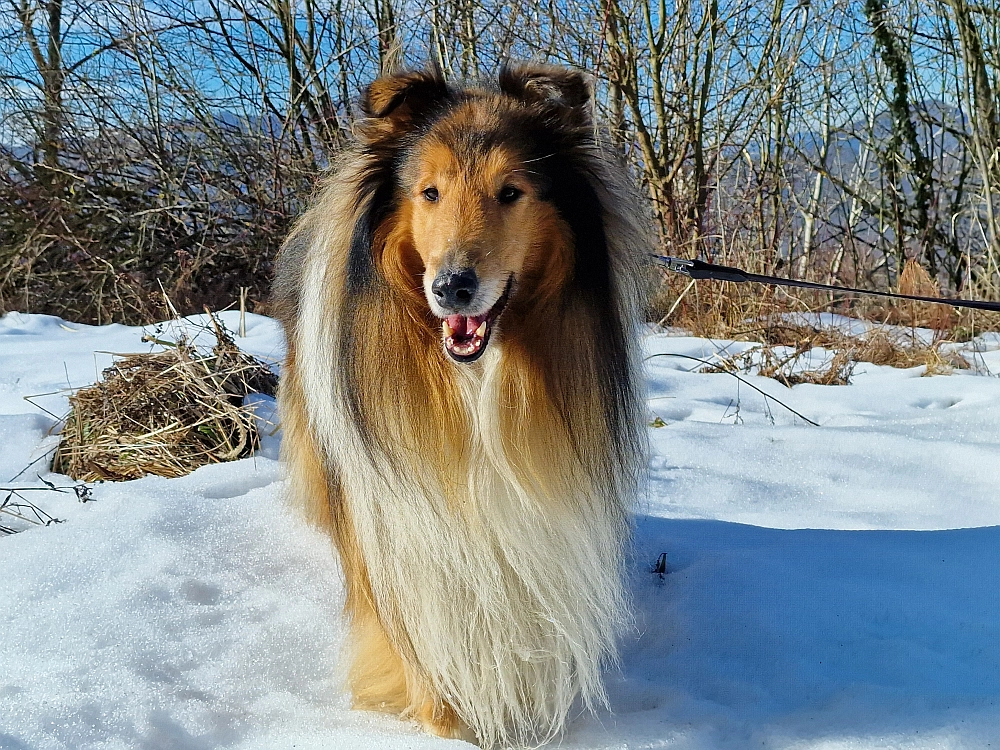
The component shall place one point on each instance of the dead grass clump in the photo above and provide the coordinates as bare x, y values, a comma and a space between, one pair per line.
804, 336
715, 309
780, 357
837, 371
915, 280
785, 366
746, 312
164, 413
880, 348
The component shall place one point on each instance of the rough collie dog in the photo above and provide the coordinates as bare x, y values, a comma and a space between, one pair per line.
459, 399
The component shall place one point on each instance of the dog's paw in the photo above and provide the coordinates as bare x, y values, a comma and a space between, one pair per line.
441, 720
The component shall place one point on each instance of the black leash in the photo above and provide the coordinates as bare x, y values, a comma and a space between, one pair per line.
699, 269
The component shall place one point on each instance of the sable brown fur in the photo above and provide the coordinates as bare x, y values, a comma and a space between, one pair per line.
505, 481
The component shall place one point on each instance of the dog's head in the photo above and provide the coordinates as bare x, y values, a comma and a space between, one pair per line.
480, 175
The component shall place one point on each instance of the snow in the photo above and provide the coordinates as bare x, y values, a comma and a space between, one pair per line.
833, 587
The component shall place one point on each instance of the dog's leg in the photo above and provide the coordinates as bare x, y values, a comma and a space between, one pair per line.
440, 718
379, 677
381, 680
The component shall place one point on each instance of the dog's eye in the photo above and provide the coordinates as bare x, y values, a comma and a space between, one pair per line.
431, 194
509, 194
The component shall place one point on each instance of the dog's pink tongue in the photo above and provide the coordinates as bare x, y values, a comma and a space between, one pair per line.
464, 327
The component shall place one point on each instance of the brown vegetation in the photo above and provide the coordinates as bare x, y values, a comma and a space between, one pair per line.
782, 354
164, 413
171, 146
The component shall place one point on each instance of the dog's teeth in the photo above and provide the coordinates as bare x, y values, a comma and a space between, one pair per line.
447, 329
481, 331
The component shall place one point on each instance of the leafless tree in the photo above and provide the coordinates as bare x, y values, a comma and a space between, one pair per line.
171, 142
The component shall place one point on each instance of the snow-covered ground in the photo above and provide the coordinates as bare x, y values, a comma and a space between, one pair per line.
827, 587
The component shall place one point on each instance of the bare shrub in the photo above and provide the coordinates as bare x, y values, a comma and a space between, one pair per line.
173, 143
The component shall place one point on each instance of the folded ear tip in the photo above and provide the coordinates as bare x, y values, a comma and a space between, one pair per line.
543, 83
385, 94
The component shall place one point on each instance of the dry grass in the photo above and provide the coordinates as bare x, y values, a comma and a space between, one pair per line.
768, 362
879, 346
18, 512
164, 413
755, 312
785, 345
915, 280
719, 309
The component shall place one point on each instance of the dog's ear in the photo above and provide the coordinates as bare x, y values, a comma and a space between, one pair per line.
566, 91
401, 100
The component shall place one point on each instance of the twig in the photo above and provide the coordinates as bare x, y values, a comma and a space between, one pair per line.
44, 455
677, 301
745, 382
243, 312
28, 399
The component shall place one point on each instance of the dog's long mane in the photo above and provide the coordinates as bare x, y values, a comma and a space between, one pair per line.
506, 484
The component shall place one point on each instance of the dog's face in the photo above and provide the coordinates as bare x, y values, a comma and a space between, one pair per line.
475, 195
478, 223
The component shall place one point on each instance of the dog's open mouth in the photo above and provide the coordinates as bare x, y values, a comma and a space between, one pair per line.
466, 337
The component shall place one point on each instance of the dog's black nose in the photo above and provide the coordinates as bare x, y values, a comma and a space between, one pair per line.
454, 290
